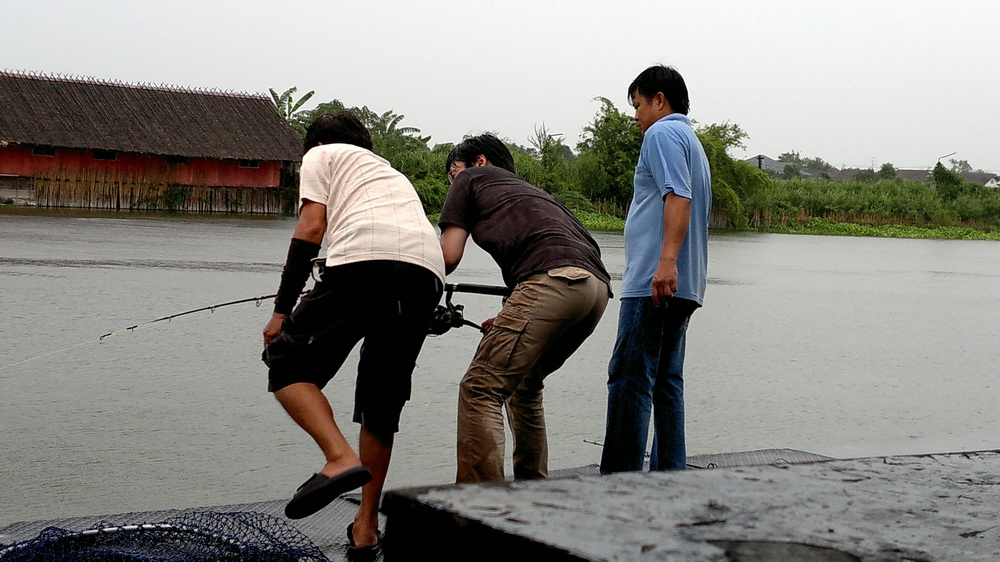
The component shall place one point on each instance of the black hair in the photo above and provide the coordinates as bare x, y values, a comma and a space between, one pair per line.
342, 127
492, 148
665, 79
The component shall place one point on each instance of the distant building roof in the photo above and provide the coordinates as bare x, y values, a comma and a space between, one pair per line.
766, 163
92, 114
981, 178
913, 174
778, 167
849, 173
845, 174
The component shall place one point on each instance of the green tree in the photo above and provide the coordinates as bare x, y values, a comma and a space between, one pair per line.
302, 119
792, 157
290, 110
729, 134
391, 140
288, 106
791, 171
430, 181
865, 176
796, 159
960, 166
402, 146
608, 152
736, 185
526, 160
950, 186
887, 172
817, 163
551, 154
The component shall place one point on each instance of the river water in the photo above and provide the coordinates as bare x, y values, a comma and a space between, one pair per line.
842, 346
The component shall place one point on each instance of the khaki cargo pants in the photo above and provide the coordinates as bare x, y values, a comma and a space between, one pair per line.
542, 323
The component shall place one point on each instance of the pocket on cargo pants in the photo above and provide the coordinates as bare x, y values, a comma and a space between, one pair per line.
499, 350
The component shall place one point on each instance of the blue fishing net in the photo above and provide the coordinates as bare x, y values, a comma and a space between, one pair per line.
189, 537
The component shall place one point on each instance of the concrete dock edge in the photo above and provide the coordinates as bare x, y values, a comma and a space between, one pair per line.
919, 507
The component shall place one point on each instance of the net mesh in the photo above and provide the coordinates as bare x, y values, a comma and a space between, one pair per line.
194, 536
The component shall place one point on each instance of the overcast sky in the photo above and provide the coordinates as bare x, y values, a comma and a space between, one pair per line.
855, 82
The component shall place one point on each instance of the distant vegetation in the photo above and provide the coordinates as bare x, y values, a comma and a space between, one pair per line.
832, 228
594, 179
945, 201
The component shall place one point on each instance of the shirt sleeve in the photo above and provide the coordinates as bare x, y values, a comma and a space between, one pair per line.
457, 204
314, 178
666, 160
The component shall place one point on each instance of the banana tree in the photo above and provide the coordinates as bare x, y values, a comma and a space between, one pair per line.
286, 105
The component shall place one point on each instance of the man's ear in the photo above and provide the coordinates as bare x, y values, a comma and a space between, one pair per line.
662, 103
481, 161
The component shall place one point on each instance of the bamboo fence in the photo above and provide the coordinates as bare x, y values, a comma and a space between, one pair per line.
101, 190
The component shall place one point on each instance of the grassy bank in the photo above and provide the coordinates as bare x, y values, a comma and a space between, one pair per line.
827, 227
599, 221
833, 228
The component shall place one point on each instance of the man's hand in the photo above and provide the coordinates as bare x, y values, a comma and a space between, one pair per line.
273, 328
487, 324
664, 282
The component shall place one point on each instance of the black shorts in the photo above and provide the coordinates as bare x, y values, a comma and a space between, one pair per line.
389, 305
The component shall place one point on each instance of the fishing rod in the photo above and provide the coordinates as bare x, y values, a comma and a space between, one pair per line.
497, 291
212, 308
315, 272
445, 317
452, 313
647, 455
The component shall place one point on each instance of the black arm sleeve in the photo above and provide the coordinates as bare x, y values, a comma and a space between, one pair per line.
298, 265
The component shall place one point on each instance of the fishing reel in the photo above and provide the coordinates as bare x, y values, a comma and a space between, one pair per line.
449, 315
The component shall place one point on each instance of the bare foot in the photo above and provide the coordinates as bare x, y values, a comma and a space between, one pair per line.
364, 531
346, 462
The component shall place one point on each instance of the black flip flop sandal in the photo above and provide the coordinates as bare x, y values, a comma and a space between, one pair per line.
365, 553
317, 492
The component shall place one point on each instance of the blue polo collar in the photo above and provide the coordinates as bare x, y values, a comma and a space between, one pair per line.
676, 117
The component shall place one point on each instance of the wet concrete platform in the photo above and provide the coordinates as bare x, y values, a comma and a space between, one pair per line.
917, 507
772, 504
327, 528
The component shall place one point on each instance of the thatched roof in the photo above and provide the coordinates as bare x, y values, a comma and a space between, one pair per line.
91, 114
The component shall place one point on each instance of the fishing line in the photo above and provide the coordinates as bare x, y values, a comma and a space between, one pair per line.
599, 444
47, 354
258, 300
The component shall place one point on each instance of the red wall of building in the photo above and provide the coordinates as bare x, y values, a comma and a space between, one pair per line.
18, 160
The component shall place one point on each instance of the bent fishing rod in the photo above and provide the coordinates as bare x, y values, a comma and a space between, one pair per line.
446, 316
212, 308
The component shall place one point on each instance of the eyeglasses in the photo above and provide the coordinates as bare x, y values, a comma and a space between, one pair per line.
453, 172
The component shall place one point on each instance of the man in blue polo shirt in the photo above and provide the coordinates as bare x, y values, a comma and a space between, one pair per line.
666, 259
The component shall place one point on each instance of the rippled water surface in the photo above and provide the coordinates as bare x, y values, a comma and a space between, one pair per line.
814, 343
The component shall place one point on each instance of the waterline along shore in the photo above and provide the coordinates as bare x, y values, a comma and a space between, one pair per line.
604, 222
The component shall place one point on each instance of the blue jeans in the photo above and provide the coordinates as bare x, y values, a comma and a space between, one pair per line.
646, 375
